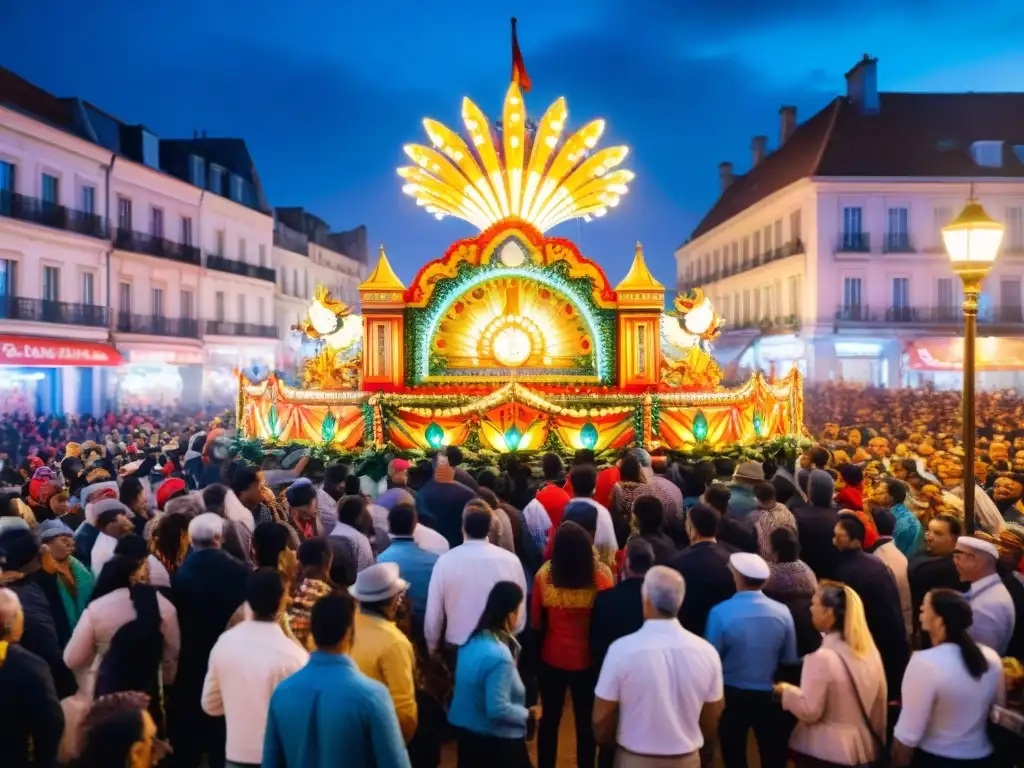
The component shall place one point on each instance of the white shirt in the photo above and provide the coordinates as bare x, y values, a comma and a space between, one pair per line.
430, 540
246, 664
459, 587
604, 538
897, 564
102, 551
538, 522
661, 676
994, 614
945, 710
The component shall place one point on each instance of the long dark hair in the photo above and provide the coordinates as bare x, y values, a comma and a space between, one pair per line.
115, 574
505, 597
956, 614
133, 660
572, 557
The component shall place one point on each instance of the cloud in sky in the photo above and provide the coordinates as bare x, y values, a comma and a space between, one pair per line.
325, 93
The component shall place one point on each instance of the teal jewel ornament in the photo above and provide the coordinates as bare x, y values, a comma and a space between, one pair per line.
329, 427
700, 427
513, 437
434, 435
588, 436
273, 423
758, 424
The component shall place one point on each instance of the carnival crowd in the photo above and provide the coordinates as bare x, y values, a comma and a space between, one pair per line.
164, 600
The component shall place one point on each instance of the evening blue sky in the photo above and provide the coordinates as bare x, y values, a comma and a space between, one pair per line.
326, 92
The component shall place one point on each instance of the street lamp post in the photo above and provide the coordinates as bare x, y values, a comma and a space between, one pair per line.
972, 241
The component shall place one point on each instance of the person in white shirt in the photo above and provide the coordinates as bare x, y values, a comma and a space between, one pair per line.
660, 693
583, 479
948, 690
351, 511
113, 523
462, 580
991, 604
246, 665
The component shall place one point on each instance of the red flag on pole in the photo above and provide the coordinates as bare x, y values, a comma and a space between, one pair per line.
519, 75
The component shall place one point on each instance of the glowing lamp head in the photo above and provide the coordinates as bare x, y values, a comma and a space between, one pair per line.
972, 239
434, 435
512, 346
513, 437
699, 319
588, 436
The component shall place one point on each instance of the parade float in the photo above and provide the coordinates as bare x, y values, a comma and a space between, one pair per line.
513, 340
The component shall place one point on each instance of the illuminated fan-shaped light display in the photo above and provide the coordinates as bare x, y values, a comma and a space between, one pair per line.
535, 176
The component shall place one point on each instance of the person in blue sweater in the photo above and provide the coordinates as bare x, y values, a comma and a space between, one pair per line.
908, 535
488, 708
329, 713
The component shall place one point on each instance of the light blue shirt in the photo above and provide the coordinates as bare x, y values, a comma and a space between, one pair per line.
415, 565
753, 634
490, 698
329, 714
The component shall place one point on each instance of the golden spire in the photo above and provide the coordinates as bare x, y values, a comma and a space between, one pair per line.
529, 175
383, 277
639, 277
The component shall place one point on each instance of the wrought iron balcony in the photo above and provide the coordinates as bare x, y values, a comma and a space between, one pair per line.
854, 242
941, 315
36, 211
222, 264
140, 242
231, 328
897, 243
59, 312
157, 325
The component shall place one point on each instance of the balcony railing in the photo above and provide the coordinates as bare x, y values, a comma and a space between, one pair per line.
222, 264
789, 249
156, 325
942, 315
48, 214
231, 328
897, 243
290, 240
59, 312
854, 242
140, 242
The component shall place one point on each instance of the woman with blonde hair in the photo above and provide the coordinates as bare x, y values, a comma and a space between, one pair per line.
840, 705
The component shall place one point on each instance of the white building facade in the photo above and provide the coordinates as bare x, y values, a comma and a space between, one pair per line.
827, 254
55, 354
136, 271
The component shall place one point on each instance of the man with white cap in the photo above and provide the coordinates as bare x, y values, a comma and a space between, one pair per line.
991, 604
754, 635
381, 650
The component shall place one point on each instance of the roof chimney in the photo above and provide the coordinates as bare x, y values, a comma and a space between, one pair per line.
758, 146
725, 176
195, 133
862, 85
787, 124
204, 133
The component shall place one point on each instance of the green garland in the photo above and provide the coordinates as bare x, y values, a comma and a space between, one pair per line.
368, 419
655, 415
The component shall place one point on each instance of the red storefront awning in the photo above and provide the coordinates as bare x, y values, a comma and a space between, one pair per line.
48, 353
993, 353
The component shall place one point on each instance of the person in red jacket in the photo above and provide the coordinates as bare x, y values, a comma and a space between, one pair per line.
560, 606
551, 496
851, 497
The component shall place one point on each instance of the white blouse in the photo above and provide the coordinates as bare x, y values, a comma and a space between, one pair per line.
945, 710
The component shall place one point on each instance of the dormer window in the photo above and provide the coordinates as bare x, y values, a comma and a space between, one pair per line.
1018, 150
150, 150
236, 187
216, 179
197, 170
988, 153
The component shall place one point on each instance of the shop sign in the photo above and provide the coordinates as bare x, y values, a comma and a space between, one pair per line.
19, 350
